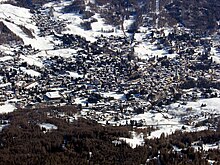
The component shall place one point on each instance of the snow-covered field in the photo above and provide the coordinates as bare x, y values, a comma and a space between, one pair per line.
7, 108
171, 121
135, 140
146, 49
13, 16
47, 127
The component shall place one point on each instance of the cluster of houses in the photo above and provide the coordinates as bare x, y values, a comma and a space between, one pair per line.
46, 21
107, 79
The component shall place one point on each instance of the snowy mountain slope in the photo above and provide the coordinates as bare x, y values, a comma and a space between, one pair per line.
21, 17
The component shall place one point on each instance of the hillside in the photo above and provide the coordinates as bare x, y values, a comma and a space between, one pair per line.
57, 136
146, 74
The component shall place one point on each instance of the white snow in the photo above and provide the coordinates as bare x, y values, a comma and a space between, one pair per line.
13, 16
146, 50
74, 20
81, 101
212, 106
31, 60
53, 95
6, 49
114, 95
167, 123
215, 59
211, 162
74, 26
207, 147
176, 111
167, 130
156, 118
66, 53
30, 72
6, 58
128, 22
100, 24
92, 1
32, 85
74, 74
136, 140
18, 14
7, 108
5, 85
1, 1
215, 56
37, 42
47, 126
170, 121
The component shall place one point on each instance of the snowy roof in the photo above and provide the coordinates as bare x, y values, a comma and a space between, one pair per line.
32, 85
53, 95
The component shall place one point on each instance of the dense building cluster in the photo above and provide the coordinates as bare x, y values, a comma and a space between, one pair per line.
129, 93
107, 76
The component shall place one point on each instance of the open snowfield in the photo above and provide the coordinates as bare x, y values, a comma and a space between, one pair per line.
7, 108
169, 122
13, 16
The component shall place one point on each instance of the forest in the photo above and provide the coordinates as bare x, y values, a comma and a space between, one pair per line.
81, 141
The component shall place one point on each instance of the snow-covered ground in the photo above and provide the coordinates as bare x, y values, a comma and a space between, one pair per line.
198, 146
32, 85
146, 49
215, 55
74, 74
99, 27
32, 60
81, 101
170, 121
13, 16
48, 127
191, 110
7, 108
210, 106
135, 140
30, 72
6, 58
114, 95
65, 53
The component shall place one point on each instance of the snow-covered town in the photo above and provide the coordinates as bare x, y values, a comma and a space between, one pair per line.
160, 77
